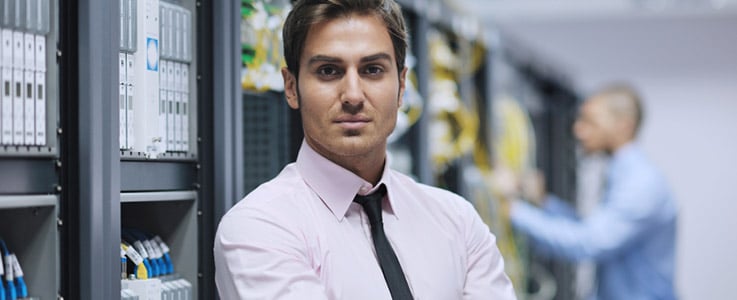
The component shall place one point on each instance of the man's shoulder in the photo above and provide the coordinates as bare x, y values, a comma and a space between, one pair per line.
430, 195
273, 194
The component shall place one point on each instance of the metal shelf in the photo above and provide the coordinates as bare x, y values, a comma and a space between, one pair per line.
22, 201
158, 196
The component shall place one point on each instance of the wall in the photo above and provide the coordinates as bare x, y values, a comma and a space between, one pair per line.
691, 133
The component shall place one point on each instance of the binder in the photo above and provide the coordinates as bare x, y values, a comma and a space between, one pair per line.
19, 20
177, 107
177, 43
122, 107
129, 95
18, 130
171, 116
186, 34
40, 89
18, 83
29, 108
164, 17
163, 105
124, 25
184, 81
8, 10
165, 91
6, 68
149, 134
132, 19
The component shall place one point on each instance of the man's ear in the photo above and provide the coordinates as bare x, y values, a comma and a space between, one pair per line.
402, 85
290, 88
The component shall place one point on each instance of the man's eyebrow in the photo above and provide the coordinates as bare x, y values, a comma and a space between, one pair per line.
330, 59
323, 59
377, 56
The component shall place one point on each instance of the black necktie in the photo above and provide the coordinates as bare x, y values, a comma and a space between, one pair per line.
387, 259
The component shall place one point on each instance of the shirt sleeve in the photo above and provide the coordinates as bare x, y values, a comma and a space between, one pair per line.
485, 278
633, 207
257, 256
556, 206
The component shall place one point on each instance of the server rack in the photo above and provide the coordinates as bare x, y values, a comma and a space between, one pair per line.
178, 196
29, 178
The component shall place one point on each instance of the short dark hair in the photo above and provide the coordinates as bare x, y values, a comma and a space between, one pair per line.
306, 13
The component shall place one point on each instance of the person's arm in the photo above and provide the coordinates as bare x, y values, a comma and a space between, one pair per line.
485, 278
259, 257
632, 208
556, 206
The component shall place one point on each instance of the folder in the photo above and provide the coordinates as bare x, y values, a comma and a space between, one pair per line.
6, 68
171, 109
18, 82
123, 25
8, 9
165, 91
178, 19
163, 104
29, 108
177, 107
40, 91
132, 25
184, 84
165, 35
130, 80
122, 88
186, 35
18, 107
19, 19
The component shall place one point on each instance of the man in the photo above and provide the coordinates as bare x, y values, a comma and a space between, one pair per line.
631, 233
302, 235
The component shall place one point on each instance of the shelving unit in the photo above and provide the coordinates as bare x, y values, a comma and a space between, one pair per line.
29, 177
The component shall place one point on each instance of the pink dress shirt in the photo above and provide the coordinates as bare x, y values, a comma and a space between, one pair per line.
300, 236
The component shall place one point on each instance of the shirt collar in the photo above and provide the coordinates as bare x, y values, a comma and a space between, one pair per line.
335, 185
620, 156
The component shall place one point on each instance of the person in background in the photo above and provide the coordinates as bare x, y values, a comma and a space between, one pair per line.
631, 234
338, 223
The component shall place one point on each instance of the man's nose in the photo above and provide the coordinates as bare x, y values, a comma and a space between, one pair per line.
352, 88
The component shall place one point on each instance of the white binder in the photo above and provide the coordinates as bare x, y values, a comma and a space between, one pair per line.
18, 84
163, 105
171, 109
129, 95
184, 84
177, 107
40, 91
6, 68
122, 107
29, 84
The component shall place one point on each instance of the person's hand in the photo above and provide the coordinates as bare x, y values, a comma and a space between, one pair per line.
533, 187
505, 183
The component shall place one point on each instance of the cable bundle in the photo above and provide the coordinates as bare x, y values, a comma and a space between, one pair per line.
148, 254
13, 286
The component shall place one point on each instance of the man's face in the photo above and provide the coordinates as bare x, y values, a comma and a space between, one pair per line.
349, 87
594, 125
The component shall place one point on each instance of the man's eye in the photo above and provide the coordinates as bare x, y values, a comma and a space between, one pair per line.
374, 70
327, 71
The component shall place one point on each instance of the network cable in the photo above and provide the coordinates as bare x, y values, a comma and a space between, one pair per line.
139, 268
165, 252
20, 283
156, 265
10, 292
2, 286
152, 268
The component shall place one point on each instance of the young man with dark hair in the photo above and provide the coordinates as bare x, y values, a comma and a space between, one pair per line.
338, 223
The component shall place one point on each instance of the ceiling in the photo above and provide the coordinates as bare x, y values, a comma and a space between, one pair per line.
596, 41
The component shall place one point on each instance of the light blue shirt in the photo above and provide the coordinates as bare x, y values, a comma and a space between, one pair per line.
631, 235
